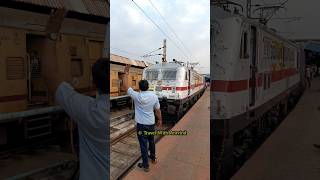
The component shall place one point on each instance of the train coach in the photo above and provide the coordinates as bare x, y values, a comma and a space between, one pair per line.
118, 96
27, 111
117, 65
177, 86
257, 76
22, 36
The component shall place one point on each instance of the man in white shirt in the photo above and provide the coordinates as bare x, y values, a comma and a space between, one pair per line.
90, 114
146, 103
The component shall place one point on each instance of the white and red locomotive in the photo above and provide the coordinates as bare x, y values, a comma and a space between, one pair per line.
256, 75
177, 86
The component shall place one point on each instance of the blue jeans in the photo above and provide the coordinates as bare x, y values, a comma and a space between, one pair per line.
144, 140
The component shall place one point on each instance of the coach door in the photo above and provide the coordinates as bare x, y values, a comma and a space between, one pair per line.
253, 65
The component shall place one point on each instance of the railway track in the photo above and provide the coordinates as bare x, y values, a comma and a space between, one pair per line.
121, 124
124, 149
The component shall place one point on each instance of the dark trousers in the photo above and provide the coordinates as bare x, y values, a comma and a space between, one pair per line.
144, 140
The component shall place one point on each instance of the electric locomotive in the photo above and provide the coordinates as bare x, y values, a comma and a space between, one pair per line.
257, 76
177, 86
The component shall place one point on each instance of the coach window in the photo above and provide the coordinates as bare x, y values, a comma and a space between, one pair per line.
76, 67
134, 83
115, 82
15, 68
244, 46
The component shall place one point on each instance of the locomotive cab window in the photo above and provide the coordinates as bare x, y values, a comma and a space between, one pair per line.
169, 74
244, 46
152, 74
76, 67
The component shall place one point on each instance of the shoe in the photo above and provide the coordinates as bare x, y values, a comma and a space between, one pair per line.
153, 161
145, 169
316, 146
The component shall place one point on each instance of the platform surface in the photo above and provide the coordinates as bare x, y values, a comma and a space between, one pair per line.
289, 153
183, 157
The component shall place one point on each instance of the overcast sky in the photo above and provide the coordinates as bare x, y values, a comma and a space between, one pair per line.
132, 34
308, 27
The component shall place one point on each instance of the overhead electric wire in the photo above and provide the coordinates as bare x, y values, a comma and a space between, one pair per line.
151, 55
159, 28
127, 52
281, 5
166, 22
153, 51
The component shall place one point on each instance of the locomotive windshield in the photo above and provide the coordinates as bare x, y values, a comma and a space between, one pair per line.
169, 74
152, 74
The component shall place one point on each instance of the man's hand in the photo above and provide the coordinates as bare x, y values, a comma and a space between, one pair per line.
159, 123
159, 117
55, 21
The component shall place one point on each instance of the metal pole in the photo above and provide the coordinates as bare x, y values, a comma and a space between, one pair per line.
164, 54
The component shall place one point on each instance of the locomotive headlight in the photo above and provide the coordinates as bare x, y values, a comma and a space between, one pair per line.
173, 89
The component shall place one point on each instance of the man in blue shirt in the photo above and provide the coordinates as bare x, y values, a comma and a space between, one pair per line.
90, 114
146, 103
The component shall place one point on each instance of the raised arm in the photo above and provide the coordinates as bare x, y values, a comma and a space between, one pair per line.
49, 63
159, 117
125, 83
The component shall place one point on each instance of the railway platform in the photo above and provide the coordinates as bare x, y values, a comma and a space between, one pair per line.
183, 157
289, 153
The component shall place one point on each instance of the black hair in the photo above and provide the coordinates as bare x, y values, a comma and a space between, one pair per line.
100, 75
143, 85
